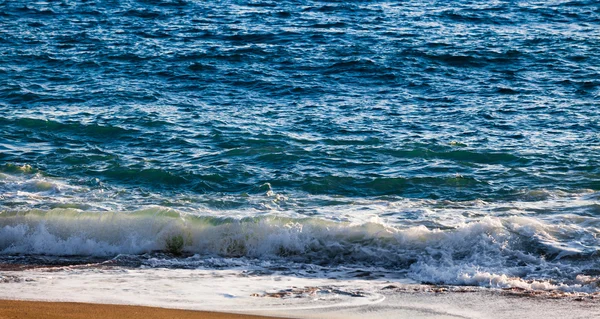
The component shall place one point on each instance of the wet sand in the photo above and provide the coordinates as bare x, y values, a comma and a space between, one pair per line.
13, 309
94, 292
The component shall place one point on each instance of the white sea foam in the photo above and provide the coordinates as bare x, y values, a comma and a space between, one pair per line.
234, 290
544, 243
496, 252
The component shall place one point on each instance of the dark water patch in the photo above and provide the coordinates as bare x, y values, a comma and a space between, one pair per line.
144, 13
155, 176
457, 155
51, 126
475, 17
201, 67
328, 25
283, 14
253, 38
36, 24
456, 60
400, 186
505, 90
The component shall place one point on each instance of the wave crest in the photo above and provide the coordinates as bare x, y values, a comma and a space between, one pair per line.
489, 252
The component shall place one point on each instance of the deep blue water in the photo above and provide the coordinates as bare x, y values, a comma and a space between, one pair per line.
438, 114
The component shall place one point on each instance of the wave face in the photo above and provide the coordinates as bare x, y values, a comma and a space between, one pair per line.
503, 252
444, 142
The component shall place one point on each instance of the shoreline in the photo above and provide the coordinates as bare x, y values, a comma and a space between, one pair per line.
417, 304
113, 292
27, 309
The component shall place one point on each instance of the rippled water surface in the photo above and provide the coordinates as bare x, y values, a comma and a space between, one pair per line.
443, 140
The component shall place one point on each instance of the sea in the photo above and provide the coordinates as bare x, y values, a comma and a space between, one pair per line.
435, 142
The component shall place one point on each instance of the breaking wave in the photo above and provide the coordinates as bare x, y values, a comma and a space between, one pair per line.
497, 252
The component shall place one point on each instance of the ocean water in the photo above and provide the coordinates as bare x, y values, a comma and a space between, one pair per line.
444, 142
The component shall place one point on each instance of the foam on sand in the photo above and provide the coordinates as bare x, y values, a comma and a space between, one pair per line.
238, 291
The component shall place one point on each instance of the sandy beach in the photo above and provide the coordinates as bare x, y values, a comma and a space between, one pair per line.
16, 309
113, 292
405, 305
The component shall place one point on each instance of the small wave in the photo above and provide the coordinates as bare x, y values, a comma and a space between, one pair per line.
149, 175
470, 156
35, 11
201, 67
145, 14
358, 66
18, 169
353, 186
74, 128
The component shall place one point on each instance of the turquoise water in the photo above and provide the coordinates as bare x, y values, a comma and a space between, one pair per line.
438, 141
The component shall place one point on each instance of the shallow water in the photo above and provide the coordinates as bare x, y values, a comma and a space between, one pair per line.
444, 142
